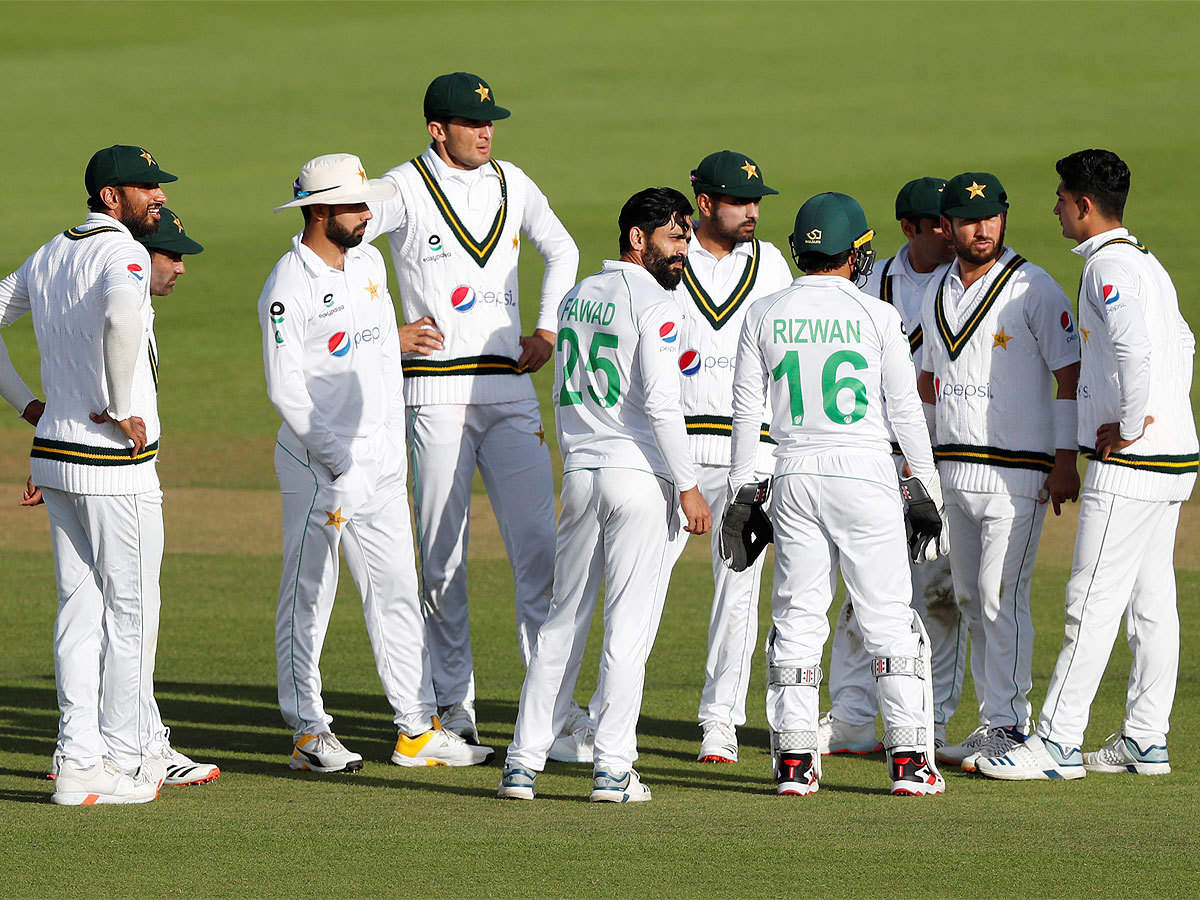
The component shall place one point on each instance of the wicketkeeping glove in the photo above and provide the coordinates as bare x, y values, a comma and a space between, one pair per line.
924, 521
745, 528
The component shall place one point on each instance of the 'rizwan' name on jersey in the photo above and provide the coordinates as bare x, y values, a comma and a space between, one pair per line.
816, 331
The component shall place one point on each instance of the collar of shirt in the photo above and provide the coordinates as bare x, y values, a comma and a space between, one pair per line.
96, 219
444, 173
1092, 244
317, 266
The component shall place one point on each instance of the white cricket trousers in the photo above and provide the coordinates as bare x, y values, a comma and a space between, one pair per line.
993, 545
613, 527
375, 536
506, 442
1124, 566
851, 684
107, 558
825, 509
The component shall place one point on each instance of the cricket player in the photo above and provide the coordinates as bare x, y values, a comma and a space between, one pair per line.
1137, 431
998, 336
836, 366
332, 359
849, 726
727, 269
454, 228
626, 475
94, 459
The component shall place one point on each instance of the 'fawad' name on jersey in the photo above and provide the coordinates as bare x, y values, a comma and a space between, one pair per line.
816, 331
598, 312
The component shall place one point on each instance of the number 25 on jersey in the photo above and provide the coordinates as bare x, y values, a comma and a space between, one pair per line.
596, 370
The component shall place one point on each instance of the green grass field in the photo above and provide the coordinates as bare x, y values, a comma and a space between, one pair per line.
607, 99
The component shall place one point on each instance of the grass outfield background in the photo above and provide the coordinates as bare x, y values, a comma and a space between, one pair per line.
607, 99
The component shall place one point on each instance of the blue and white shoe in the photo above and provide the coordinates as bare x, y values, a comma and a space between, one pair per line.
516, 784
1036, 759
618, 787
1123, 754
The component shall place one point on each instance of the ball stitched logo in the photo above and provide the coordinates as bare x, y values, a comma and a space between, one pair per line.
668, 332
462, 298
1111, 294
339, 344
689, 362
1067, 325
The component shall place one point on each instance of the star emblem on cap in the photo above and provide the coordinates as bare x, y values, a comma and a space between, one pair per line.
1000, 339
750, 169
373, 290
362, 174
145, 154
975, 189
335, 518
484, 92
178, 224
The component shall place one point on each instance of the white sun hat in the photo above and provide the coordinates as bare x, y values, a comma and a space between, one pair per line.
337, 178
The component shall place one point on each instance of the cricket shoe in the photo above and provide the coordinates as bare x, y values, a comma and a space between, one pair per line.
836, 736
180, 770
323, 753
516, 784
1123, 754
438, 747
103, 782
999, 741
796, 774
618, 787
954, 754
718, 744
1036, 759
578, 746
460, 718
913, 776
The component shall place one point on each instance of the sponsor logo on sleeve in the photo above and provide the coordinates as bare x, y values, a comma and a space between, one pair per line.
276, 312
1067, 325
668, 331
339, 344
135, 270
1111, 294
689, 362
462, 298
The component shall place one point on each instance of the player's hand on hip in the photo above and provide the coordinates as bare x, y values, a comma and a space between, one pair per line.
32, 495
1062, 484
33, 411
535, 350
1109, 440
699, 516
133, 428
421, 336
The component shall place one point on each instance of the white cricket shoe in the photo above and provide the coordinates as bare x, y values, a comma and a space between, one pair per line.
460, 718
718, 744
618, 787
578, 746
180, 770
796, 774
998, 742
954, 754
913, 776
438, 747
516, 784
323, 753
836, 736
1036, 759
103, 782
1123, 754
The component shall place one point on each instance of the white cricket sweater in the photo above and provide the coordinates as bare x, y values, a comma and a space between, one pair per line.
992, 350
455, 238
616, 376
63, 285
713, 298
1136, 361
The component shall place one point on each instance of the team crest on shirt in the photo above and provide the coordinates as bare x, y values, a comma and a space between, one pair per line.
462, 298
339, 344
1111, 294
689, 362
135, 270
668, 331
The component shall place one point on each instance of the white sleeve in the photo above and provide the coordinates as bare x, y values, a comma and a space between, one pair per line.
284, 324
14, 303
121, 345
387, 215
1048, 316
749, 393
903, 406
658, 363
1118, 299
928, 325
561, 256
393, 370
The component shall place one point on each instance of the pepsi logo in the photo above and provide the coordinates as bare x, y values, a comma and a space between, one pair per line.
668, 331
1067, 325
462, 298
339, 344
689, 362
1111, 294
135, 270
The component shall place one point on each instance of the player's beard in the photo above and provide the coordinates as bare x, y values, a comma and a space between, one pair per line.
140, 224
342, 236
968, 254
738, 234
659, 265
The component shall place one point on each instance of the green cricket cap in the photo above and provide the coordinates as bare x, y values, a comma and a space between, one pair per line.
921, 198
170, 237
463, 95
730, 173
830, 223
974, 195
123, 164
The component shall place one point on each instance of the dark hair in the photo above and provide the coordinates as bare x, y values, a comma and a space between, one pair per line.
1101, 175
915, 221
813, 263
306, 211
650, 209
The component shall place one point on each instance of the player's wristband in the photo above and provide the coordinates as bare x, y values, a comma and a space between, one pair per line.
930, 411
1066, 424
